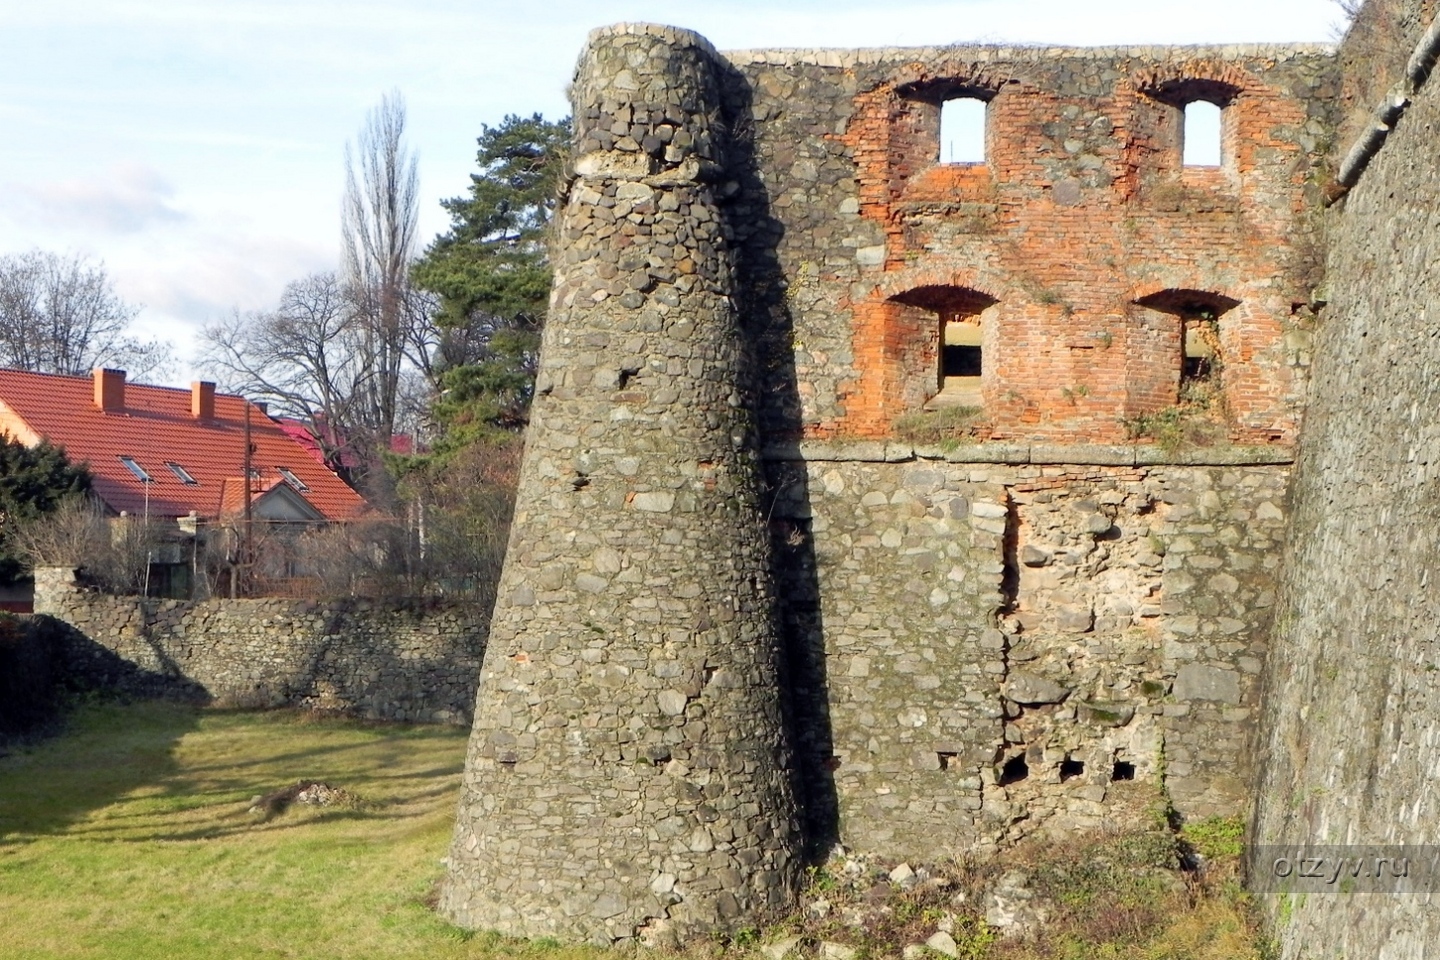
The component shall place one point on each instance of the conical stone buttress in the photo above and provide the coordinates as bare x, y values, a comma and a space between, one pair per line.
628, 773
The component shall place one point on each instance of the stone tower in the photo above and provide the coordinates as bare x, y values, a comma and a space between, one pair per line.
628, 773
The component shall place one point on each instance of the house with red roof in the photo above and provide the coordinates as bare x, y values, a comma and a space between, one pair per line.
166, 453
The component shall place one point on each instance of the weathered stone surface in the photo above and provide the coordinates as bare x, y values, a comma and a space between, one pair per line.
927, 591
1012, 907
885, 660
1350, 730
780, 949
413, 660
1202, 682
1023, 687
628, 774
943, 944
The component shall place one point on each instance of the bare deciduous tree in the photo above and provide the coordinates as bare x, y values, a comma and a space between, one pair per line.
303, 357
350, 354
60, 315
112, 554
381, 213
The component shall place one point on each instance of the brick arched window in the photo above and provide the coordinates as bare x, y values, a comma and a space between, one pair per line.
1200, 358
954, 319
947, 118
1206, 129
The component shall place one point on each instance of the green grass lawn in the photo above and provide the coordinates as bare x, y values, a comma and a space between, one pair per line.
130, 836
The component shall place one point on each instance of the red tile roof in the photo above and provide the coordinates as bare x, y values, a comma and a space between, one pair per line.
155, 429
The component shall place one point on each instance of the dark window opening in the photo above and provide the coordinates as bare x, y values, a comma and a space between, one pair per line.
948, 761
1070, 769
960, 361
962, 130
1124, 770
1200, 359
955, 348
1015, 770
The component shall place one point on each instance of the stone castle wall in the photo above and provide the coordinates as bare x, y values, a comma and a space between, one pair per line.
628, 773
1350, 729
1033, 629
408, 660
983, 652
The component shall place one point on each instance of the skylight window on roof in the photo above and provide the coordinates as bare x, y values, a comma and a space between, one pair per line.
136, 469
181, 473
293, 480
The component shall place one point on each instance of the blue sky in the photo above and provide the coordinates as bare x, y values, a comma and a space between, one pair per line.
196, 146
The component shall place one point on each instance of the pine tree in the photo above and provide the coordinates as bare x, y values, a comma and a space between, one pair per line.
491, 272
34, 481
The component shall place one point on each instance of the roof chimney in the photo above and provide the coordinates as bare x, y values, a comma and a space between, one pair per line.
110, 390
202, 400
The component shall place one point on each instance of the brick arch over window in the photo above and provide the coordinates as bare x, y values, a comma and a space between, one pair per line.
1187, 106
960, 120
1184, 90
942, 336
1185, 350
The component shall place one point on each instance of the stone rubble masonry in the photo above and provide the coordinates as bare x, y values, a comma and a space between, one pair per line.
415, 661
951, 621
628, 773
1351, 728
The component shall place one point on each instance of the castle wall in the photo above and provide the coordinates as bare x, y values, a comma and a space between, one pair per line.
1082, 248
406, 660
984, 652
1031, 626
1077, 246
1352, 737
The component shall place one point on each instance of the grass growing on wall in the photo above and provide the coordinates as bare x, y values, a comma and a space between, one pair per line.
131, 836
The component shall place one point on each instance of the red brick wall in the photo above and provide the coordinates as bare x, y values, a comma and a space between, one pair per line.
1082, 208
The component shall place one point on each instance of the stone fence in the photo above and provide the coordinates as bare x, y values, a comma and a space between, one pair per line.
413, 660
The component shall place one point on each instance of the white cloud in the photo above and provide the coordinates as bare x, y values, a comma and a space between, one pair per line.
121, 200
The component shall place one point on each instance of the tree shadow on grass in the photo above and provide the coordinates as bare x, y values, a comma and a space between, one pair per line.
109, 747
122, 755
106, 766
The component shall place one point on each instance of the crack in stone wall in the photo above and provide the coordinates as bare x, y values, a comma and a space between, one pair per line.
1137, 628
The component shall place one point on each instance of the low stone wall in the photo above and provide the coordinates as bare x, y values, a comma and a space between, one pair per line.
398, 660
